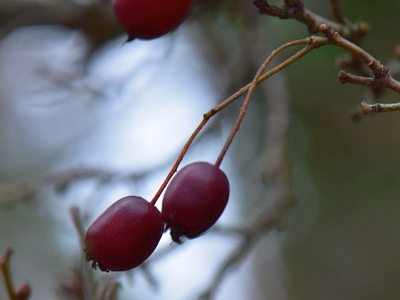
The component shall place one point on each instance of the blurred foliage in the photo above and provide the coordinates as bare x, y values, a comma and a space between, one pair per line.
351, 251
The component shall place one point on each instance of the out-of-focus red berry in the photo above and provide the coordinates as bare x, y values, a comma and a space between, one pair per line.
149, 19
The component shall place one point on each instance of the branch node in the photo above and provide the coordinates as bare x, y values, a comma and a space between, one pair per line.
342, 76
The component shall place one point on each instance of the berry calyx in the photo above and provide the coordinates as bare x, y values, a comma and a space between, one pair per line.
124, 235
149, 19
194, 200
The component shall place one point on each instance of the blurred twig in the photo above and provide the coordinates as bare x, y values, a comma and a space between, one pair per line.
20, 190
338, 13
81, 282
5, 269
95, 19
24, 291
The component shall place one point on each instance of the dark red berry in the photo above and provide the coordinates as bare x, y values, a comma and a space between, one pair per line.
124, 235
149, 19
194, 200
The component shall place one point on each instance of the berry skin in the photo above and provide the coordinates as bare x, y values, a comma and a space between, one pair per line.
149, 19
194, 200
124, 235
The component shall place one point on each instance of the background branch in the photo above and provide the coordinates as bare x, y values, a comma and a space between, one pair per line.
24, 292
94, 19
338, 13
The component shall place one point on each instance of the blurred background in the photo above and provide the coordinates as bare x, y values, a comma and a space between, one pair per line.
86, 119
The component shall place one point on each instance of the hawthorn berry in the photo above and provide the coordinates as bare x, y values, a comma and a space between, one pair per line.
149, 19
194, 200
124, 235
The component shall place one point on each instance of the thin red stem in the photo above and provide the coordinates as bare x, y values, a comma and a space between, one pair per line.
312, 44
253, 85
178, 160
236, 127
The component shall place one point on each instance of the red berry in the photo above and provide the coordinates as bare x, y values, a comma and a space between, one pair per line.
194, 200
124, 235
149, 19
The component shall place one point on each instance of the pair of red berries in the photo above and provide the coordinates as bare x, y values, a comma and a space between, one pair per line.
127, 233
149, 19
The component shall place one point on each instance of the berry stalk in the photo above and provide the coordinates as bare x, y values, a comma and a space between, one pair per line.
311, 43
179, 159
257, 79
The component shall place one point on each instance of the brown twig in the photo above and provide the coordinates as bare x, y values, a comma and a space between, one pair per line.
382, 77
294, 9
379, 107
336, 39
385, 81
